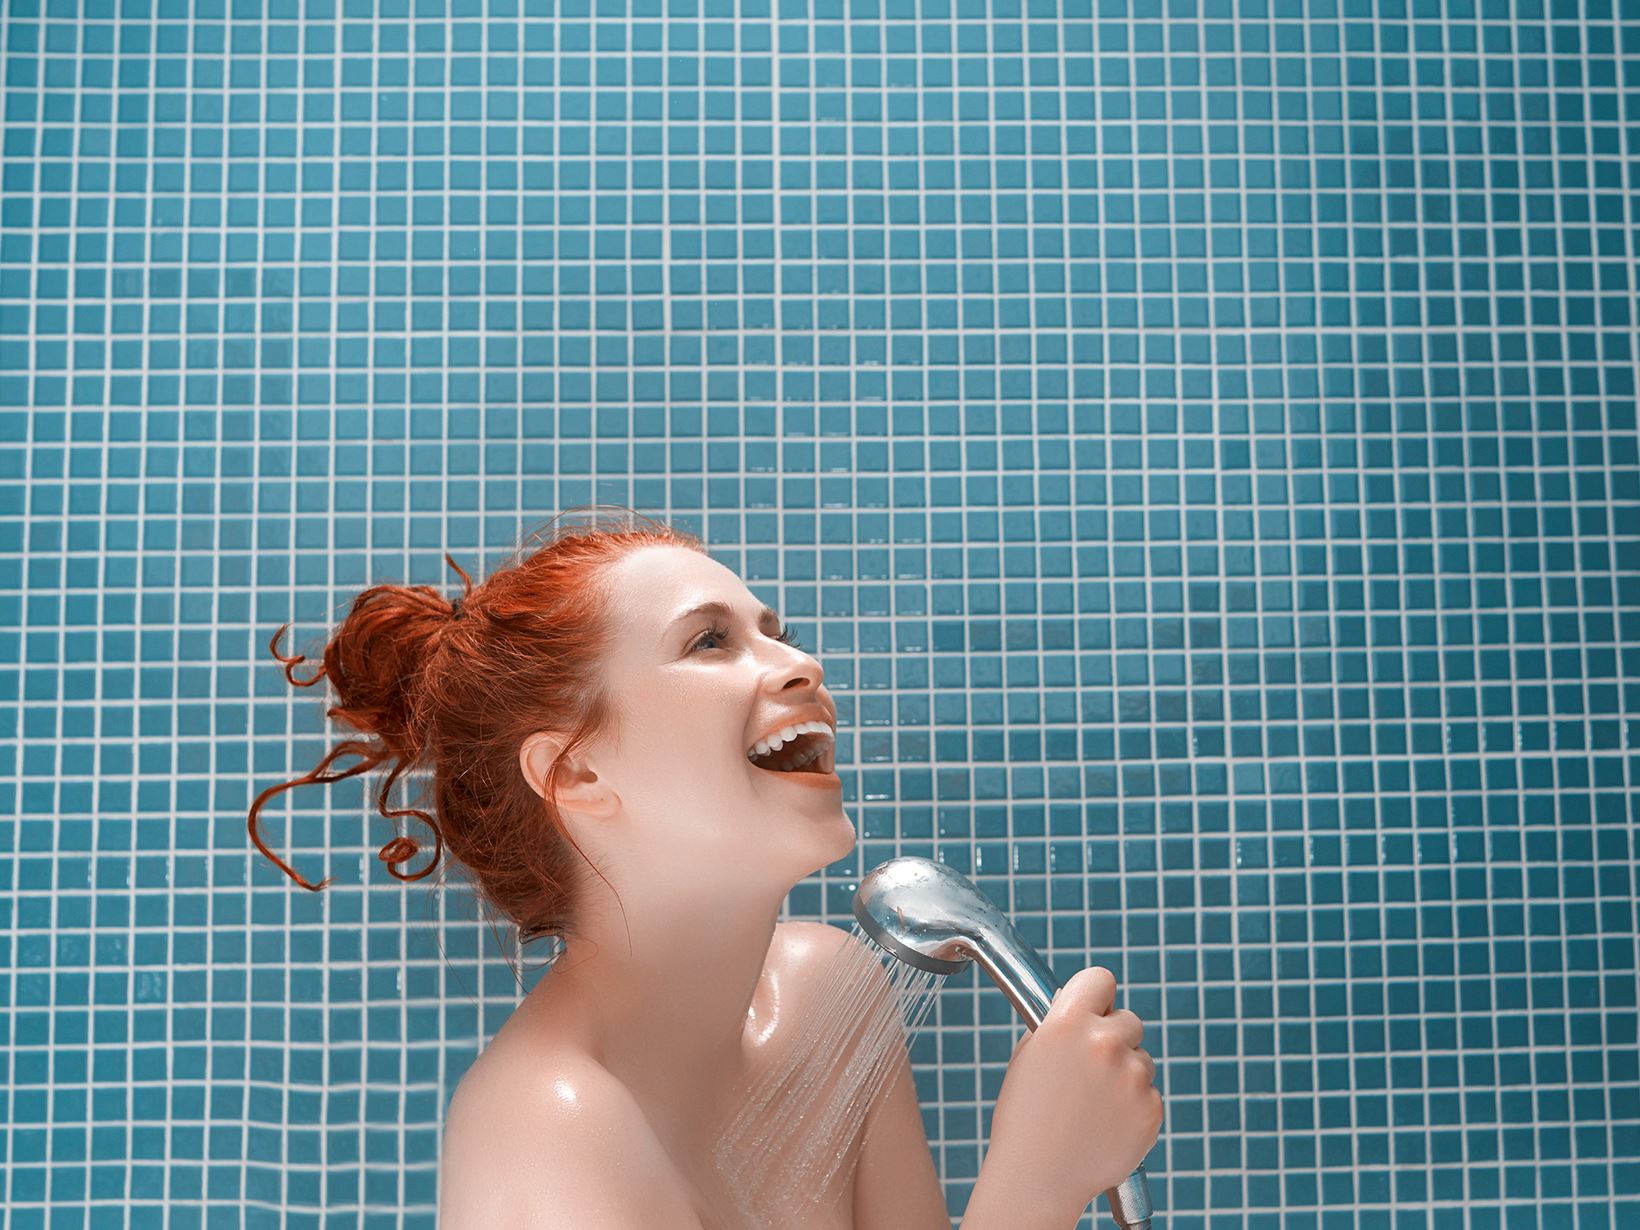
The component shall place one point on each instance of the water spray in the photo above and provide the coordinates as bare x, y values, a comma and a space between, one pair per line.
937, 920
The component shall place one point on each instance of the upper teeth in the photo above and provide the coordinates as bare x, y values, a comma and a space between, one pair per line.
785, 735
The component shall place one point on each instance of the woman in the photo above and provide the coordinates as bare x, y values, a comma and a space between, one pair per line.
592, 718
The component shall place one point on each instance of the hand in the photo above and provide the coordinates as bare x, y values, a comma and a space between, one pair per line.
1078, 1109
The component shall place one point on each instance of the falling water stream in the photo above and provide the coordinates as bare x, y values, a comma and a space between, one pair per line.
786, 1153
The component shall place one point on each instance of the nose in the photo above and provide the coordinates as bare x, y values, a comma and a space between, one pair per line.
803, 671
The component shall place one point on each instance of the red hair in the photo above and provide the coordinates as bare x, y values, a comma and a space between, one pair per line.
457, 687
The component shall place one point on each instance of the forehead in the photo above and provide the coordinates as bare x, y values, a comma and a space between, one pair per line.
653, 584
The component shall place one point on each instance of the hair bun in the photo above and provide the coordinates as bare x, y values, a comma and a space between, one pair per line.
423, 691
374, 661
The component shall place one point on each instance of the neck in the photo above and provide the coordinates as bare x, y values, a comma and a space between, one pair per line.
662, 996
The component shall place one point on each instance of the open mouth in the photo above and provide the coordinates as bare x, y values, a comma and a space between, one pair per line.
809, 752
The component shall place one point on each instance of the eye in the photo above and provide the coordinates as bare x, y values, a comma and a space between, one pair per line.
716, 633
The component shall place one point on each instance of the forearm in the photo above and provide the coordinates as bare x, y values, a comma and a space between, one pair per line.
1001, 1201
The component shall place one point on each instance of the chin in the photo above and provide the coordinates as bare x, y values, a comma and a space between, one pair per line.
829, 840
845, 840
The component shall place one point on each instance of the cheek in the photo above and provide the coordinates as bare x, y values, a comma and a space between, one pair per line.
694, 754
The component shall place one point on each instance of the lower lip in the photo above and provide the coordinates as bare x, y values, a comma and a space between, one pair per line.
814, 781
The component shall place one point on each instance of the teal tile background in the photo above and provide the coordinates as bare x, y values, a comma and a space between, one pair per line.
1198, 438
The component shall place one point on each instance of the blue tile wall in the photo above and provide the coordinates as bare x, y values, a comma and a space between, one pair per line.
1198, 437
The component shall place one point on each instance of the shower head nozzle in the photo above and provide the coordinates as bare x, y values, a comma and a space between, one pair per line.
934, 918
922, 912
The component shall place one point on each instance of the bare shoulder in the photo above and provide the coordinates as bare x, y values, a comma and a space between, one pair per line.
810, 963
508, 1084
805, 952
552, 1139
804, 941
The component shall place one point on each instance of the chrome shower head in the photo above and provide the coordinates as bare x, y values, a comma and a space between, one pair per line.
936, 919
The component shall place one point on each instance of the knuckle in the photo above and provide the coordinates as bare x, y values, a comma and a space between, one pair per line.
1106, 1044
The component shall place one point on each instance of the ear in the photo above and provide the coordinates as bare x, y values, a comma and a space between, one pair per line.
579, 788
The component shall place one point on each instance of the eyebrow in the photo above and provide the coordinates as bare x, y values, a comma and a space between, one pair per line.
723, 609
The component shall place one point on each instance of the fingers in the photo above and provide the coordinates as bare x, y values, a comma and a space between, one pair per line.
1150, 1067
1125, 1026
1091, 991
1128, 1025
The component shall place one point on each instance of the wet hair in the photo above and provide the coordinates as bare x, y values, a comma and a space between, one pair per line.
456, 686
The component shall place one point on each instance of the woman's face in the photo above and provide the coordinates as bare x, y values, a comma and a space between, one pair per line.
695, 690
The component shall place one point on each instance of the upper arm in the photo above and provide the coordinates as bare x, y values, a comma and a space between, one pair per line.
553, 1153
896, 1186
